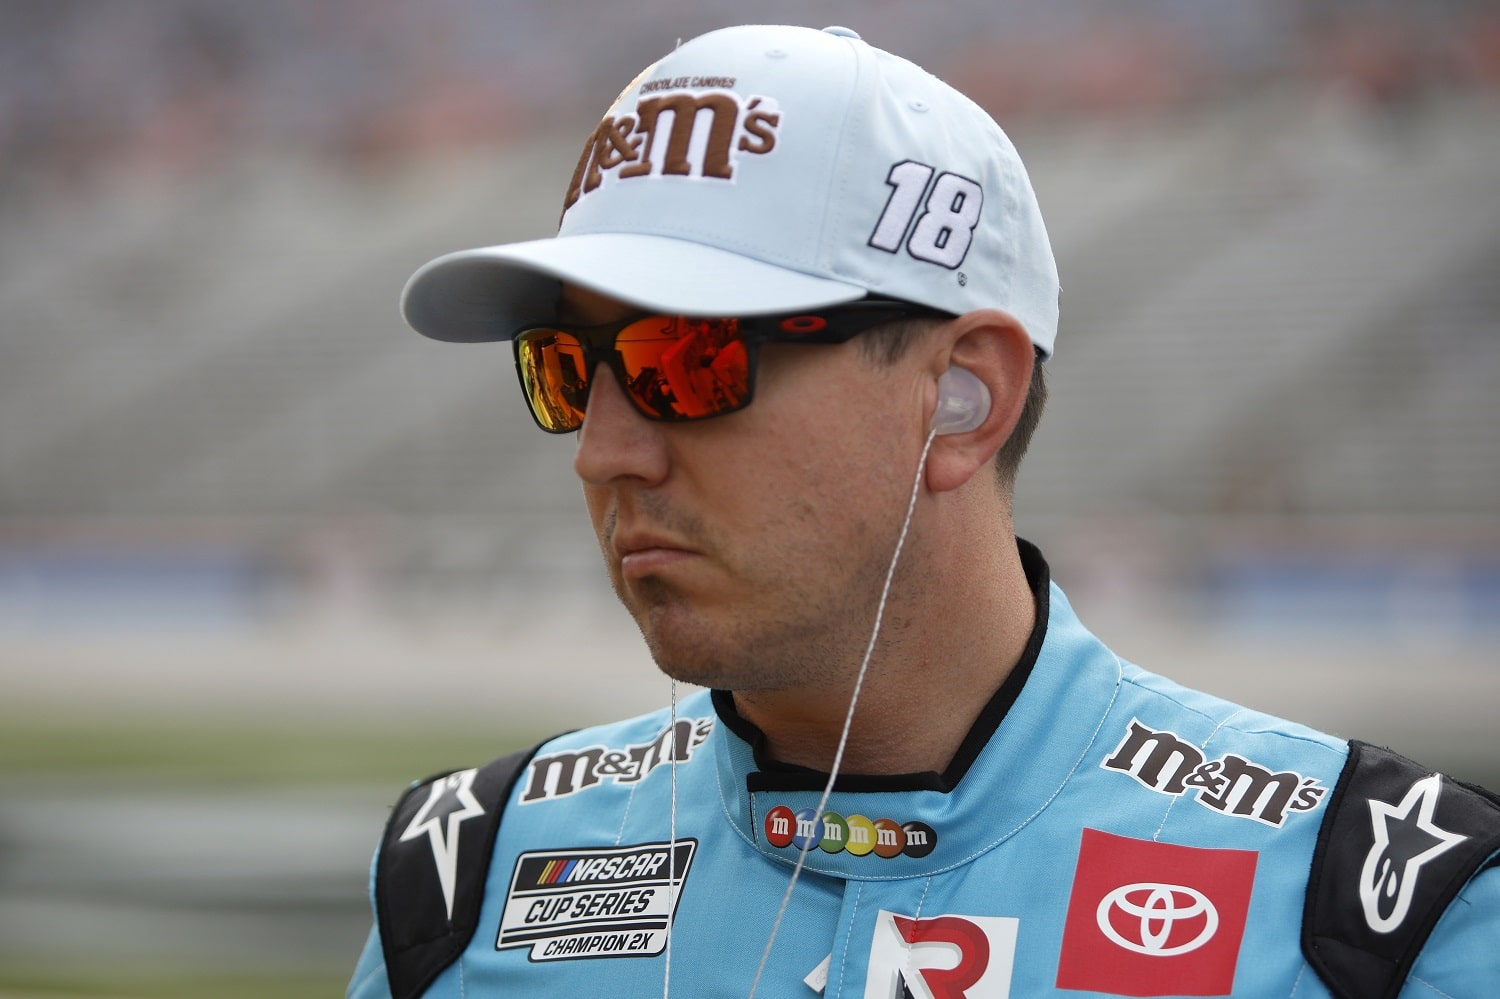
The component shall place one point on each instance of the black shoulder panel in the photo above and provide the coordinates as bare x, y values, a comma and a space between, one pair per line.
1397, 844
434, 858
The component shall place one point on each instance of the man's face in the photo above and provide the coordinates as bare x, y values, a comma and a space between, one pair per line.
751, 548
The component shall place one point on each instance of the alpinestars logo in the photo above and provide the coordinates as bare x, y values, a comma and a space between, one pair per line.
450, 804
560, 774
1231, 785
1406, 838
941, 957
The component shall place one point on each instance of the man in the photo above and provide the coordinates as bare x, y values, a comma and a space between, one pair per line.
796, 312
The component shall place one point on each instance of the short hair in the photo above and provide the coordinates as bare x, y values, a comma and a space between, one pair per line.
885, 345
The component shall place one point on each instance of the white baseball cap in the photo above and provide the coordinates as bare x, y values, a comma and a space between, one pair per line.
766, 169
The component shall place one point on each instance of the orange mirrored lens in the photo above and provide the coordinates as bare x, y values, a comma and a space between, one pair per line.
554, 375
685, 369
673, 369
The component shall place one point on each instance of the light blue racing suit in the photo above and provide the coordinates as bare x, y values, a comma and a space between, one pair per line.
1101, 831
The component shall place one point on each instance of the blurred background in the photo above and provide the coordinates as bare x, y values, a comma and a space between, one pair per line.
266, 555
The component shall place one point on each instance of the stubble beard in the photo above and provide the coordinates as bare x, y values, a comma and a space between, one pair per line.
791, 629
790, 637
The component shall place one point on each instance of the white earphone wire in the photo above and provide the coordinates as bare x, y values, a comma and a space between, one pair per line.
666, 987
859, 680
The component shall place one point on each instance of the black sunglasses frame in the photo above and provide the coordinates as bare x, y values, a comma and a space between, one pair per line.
833, 325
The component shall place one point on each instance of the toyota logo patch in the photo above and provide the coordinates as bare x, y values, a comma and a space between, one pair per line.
1156, 919
1147, 918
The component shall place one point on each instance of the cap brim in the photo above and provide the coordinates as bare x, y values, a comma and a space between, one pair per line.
489, 293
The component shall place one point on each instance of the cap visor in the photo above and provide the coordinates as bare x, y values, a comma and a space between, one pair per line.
489, 293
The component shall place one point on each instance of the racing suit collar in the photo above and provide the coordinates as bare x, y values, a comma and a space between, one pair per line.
909, 825
774, 775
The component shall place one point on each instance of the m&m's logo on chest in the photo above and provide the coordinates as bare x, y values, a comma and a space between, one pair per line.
854, 834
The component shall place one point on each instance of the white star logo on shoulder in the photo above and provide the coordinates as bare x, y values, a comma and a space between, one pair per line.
1406, 837
452, 798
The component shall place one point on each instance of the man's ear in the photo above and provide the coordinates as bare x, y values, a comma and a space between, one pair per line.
993, 348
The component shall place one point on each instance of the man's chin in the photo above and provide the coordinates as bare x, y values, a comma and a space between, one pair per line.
717, 668
694, 659
694, 665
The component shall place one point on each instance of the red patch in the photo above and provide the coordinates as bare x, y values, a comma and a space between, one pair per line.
1155, 919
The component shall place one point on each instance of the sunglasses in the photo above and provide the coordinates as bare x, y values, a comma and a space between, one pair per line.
676, 368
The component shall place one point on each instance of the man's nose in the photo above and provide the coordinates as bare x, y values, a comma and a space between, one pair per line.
616, 441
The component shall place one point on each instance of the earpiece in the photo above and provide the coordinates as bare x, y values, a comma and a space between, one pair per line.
963, 402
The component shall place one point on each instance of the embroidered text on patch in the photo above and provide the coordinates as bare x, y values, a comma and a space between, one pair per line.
607, 902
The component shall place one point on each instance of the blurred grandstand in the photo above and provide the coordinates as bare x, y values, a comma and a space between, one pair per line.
1278, 227
230, 477
1278, 232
